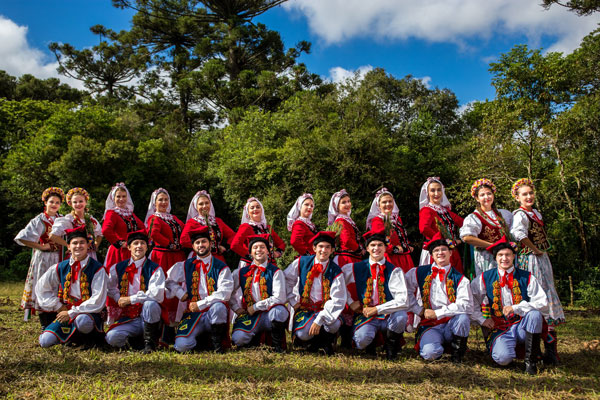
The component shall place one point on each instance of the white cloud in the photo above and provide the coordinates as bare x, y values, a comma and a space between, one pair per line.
17, 57
443, 21
426, 81
339, 74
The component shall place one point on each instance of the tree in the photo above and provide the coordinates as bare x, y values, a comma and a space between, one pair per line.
107, 68
581, 7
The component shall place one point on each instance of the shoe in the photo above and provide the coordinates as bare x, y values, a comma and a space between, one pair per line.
327, 341
346, 334
151, 333
217, 334
459, 348
278, 336
532, 345
393, 343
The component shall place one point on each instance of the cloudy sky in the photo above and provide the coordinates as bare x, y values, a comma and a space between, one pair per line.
446, 43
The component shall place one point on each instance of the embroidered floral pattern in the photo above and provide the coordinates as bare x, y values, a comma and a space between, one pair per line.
369, 292
425, 296
248, 300
497, 301
64, 293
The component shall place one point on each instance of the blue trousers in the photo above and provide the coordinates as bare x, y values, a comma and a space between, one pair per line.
117, 336
303, 335
396, 322
432, 341
216, 314
503, 349
83, 322
277, 313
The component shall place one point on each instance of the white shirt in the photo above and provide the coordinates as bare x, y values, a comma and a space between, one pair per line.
176, 285
337, 292
46, 291
537, 297
438, 295
472, 225
155, 289
520, 227
396, 285
278, 297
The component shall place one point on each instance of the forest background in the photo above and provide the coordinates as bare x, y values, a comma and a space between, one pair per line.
197, 95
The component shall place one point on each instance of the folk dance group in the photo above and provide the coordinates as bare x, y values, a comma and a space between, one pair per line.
363, 288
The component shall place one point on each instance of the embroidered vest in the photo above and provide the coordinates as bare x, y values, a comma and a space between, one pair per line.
401, 232
212, 276
268, 275
490, 276
362, 272
148, 269
63, 269
537, 234
305, 265
425, 270
359, 240
489, 232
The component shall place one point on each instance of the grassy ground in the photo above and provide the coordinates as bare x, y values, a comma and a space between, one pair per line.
29, 372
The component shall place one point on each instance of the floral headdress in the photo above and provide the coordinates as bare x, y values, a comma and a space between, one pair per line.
482, 182
53, 191
517, 185
77, 191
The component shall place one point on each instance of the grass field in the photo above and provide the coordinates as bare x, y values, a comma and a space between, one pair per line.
29, 372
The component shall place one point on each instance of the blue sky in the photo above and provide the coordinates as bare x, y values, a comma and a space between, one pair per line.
447, 43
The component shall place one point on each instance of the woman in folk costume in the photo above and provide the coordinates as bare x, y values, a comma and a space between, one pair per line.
255, 223
300, 224
119, 221
201, 209
351, 248
484, 226
434, 212
398, 250
77, 199
164, 231
45, 253
528, 229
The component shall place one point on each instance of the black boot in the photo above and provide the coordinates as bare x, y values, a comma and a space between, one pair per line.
151, 332
346, 334
371, 349
393, 342
278, 336
550, 347
532, 345
46, 318
459, 348
327, 341
217, 334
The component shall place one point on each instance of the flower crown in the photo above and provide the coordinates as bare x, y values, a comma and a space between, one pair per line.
53, 191
77, 191
517, 185
482, 182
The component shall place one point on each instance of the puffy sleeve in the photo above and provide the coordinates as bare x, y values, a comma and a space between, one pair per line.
61, 225
298, 237
46, 290
238, 243
427, 225
32, 232
399, 293
278, 242
336, 303
158, 234
291, 274
139, 222
348, 237
507, 216
110, 228
471, 226
520, 226
185, 238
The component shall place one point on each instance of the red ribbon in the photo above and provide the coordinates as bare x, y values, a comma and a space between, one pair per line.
131, 271
374, 272
507, 279
254, 267
317, 270
439, 272
75, 268
200, 264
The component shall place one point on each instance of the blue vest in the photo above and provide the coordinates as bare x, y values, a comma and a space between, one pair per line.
268, 275
148, 269
425, 270
305, 265
362, 272
214, 271
63, 269
490, 276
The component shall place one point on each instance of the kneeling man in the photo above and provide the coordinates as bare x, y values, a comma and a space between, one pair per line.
377, 294
447, 303
259, 298
75, 290
317, 292
509, 301
205, 283
136, 288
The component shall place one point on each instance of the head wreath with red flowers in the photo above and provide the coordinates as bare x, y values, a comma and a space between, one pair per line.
482, 182
77, 191
518, 184
53, 191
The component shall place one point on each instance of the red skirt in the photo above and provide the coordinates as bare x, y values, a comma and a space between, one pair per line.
403, 261
166, 259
